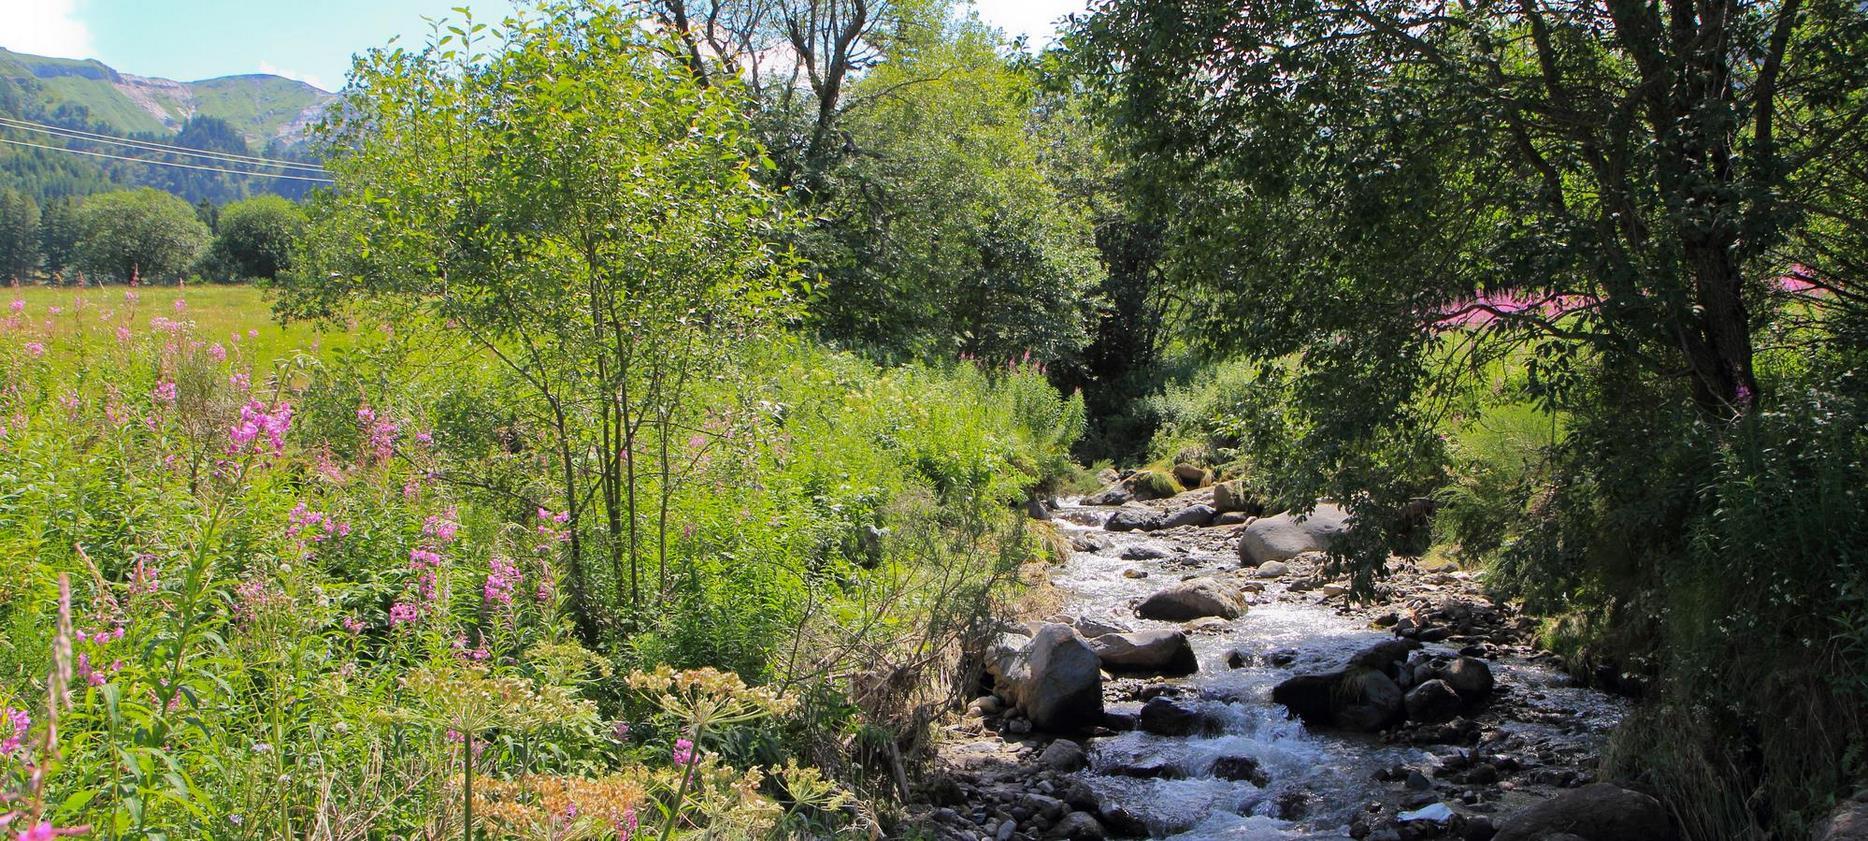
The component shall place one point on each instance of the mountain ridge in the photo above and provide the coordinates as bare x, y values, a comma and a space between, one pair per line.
269, 111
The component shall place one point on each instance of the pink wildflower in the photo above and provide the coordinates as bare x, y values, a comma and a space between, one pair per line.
402, 613
165, 392
218, 351
35, 349
501, 579
123, 335
18, 305
19, 723
683, 752
353, 625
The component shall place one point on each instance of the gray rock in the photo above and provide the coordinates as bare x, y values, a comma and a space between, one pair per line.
1193, 599
1271, 569
1165, 652
1112, 495
1232, 518
1034, 508
1283, 537
1133, 519
1065, 756
1168, 717
1143, 552
1469, 676
1849, 822
1088, 543
1006, 829
1596, 812
1432, 702
1055, 680
1078, 826
1192, 515
1356, 699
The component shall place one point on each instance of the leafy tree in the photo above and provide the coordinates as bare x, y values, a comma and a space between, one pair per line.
142, 233
944, 233
19, 234
584, 209
256, 237
58, 234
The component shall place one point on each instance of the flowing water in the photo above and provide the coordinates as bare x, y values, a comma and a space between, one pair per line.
1330, 774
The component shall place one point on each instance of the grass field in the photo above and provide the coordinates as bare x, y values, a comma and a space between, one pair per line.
239, 315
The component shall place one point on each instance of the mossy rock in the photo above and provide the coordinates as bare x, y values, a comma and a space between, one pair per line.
1152, 484
1192, 476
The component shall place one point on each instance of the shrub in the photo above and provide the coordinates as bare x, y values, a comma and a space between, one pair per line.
144, 233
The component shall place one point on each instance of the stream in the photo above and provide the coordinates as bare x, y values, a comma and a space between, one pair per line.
1319, 780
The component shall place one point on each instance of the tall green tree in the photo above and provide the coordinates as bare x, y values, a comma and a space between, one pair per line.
144, 233
58, 234
256, 237
584, 209
944, 232
19, 234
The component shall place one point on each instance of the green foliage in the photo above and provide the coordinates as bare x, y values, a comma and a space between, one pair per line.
946, 234
58, 235
255, 238
142, 233
19, 234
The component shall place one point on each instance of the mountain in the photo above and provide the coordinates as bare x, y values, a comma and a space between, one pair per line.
270, 112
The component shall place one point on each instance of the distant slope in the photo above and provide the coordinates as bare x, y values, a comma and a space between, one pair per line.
267, 110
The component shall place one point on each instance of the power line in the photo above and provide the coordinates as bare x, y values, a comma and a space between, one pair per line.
151, 146
167, 163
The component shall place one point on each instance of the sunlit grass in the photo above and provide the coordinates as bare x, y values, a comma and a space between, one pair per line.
239, 315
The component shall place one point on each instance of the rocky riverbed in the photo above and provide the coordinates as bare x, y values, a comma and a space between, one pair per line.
1191, 690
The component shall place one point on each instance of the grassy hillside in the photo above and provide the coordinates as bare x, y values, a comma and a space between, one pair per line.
263, 108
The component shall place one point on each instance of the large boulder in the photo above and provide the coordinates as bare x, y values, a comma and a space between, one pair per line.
1056, 680
1133, 519
1284, 537
1849, 822
1432, 702
1192, 515
1469, 676
1190, 475
1596, 812
1168, 717
1231, 497
1358, 699
1112, 495
1193, 599
1165, 652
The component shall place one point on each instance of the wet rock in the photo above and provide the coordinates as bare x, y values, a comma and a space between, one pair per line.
1206, 625
1231, 518
1241, 769
1143, 552
1291, 805
1283, 537
1168, 717
1133, 519
1469, 676
1359, 699
1192, 515
1006, 829
1034, 508
1272, 569
1132, 572
1147, 769
1055, 680
1088, 543
1092, 627
1193, 599
1112, 495
1597, 812
1164, 652
1433, 702
1065, 756
1122, 823
1078, 826
1385, 656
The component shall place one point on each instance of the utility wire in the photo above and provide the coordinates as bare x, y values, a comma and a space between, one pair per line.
167, 163
151, 146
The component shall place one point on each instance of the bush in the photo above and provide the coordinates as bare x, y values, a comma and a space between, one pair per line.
144, 233
255, 239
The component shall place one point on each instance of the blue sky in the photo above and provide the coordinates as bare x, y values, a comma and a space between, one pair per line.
310, 40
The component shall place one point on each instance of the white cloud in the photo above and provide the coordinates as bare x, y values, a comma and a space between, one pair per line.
1035, 19
45, 27
307, 78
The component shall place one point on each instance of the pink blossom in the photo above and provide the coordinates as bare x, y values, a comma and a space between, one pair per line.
256, 419
353, 625
19, 723
18, 305
181, 304
218, 351
165, 392
130, 296
35, 349
240, 382
402, 613
424, 438
123, 335
501, 579
442, 527
55, 309
627, 826
683, 752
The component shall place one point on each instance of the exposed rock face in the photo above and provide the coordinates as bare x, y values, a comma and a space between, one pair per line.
1164, 652
1282, 537
1192, 599
1596, 812
1078, 826
1364, 696
1133, 519
1849, 822
1055, 679
1192, 515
